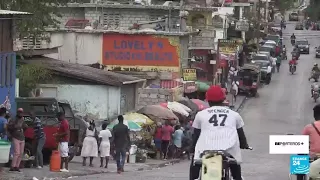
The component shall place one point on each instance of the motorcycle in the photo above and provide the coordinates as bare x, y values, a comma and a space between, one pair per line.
293, 41
315, 94
315, 76
293, 68
284, 54
215, 164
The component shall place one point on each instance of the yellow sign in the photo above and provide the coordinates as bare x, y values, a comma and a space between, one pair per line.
189, 74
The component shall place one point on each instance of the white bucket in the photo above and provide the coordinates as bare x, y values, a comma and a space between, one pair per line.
4, 151
132, 158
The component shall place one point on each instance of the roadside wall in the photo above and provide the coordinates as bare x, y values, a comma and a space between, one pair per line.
153, 96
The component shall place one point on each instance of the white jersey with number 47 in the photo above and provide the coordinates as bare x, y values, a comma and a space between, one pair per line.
218, 125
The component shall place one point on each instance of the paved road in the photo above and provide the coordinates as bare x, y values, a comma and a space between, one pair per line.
283, 107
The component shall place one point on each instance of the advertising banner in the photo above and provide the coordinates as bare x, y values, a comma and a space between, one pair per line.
189, 74
141, 52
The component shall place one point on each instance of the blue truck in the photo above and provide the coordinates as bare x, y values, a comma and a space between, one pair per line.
8, 80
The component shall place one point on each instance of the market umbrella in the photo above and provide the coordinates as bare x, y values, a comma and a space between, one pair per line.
187, 102
201, 104
133, 126
158, 112
164, 104
138, 118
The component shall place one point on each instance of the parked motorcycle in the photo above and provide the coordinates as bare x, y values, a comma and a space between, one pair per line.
315, 76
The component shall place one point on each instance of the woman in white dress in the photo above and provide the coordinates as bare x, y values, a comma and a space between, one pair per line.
90, 144
104, 136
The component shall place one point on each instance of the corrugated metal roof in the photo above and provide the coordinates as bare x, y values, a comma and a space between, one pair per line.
85, 73
7, 12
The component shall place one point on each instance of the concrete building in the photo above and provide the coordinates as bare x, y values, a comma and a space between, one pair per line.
102, 94
8, 58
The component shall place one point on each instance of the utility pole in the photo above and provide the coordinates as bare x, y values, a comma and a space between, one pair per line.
267, 15
259, 19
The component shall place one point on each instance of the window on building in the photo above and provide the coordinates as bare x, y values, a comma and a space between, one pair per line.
111, 19
7, 73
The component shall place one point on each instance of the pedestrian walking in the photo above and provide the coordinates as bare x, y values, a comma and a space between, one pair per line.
235, 89
157, 138
16, 129
166, 133
40, 138
90, 144
121, 140
105, 136
62, 137
177, 141
279, 60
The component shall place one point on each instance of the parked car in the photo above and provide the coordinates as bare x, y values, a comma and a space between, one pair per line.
273, 37
265, 75
46, 109
261, 57
266, 48
294, 16
299, 26
303, 46
318, 52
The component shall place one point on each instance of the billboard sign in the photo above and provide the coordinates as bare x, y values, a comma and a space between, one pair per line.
142, 52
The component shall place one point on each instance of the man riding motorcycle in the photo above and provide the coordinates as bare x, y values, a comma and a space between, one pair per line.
315, 71
218, 128
314, 87
293, 62
313, 131
293, 39
284, 52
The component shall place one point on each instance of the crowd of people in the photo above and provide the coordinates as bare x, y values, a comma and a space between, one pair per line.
12, 129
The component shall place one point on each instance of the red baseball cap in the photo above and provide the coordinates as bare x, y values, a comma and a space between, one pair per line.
215, 94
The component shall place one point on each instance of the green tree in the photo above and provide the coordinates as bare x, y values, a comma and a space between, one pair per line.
313, 10
44, 14
284, 5
30, 76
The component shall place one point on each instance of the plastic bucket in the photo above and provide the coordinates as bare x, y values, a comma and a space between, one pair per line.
132, 158
4, 151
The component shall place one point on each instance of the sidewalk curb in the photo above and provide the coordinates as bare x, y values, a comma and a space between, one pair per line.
160, 165
241, 104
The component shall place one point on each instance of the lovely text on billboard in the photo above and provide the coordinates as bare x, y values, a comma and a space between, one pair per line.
138, 50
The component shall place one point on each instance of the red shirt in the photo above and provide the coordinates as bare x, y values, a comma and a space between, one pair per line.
158, 133
64, 128
293, 61
167, 131
277, 49
313, 136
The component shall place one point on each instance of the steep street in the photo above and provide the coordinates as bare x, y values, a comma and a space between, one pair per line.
283, 107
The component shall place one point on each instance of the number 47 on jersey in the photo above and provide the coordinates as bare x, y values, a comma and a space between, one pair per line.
218, 119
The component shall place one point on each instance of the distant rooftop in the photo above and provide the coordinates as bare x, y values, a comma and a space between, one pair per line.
142, 32
82, 72
136, 6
